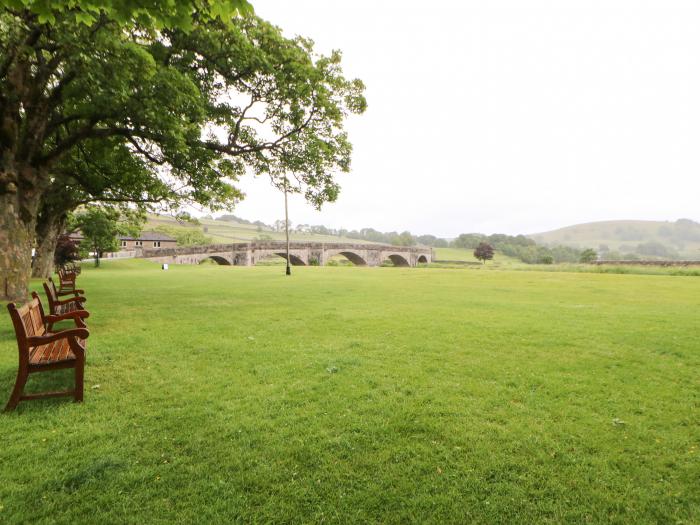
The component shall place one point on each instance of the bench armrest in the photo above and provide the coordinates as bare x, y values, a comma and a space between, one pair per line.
73, 333
75, 314
76, 299
75, 292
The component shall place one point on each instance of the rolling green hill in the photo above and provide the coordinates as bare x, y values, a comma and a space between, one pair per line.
230, 231
680, 239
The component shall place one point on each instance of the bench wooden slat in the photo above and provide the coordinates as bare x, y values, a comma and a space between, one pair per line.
58, 350
53, 352
37, 355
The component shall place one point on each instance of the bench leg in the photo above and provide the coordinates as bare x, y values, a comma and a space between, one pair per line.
17, 390
79, 374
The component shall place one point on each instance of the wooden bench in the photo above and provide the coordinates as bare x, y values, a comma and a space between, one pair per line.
73, 268
58, 306
66, 280
41, 350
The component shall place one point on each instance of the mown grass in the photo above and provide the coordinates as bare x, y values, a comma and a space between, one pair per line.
642, 269
226, 394
462, 255
458, 257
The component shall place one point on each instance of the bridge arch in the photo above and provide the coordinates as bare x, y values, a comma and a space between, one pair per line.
294, 260
422, 259
354, 257
218, 259
398, 260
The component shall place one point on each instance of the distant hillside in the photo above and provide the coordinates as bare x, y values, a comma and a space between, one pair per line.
679, 239
228, 231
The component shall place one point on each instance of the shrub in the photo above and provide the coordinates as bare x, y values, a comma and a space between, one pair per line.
588, 256
66, 252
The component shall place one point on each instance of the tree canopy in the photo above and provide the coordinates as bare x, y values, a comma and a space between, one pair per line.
130, 101
150, 13
484, 252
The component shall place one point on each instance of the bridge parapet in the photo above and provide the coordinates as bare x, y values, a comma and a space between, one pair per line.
301, 252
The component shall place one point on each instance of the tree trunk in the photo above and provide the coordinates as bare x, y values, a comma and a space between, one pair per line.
17, 232
42, 266
21, 188
49, 227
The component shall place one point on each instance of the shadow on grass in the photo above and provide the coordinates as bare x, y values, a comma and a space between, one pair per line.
55, 380
85, 473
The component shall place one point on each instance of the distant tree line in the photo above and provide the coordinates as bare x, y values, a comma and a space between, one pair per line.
517, 246
520, 247
229, 217
643, 251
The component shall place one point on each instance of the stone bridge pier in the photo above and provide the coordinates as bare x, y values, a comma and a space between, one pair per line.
300, 253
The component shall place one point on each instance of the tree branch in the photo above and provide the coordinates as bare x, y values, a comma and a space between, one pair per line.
145, 153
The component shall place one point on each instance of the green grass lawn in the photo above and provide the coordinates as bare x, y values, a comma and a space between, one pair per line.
462, 255
454, 254
231, 394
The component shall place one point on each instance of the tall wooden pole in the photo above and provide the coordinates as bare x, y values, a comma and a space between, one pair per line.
286, 224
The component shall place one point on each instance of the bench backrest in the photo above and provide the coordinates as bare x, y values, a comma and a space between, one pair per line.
73, 268
51, 294
28, 321
66, 276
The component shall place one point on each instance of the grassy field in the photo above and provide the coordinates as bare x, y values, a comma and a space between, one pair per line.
349, 395
462, 255
454, 254
457, 257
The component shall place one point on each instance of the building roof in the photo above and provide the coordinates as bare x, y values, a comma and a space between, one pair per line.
148, 236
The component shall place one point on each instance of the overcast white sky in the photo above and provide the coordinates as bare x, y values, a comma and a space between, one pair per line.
507, 115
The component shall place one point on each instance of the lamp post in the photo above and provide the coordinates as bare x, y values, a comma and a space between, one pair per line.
286, 224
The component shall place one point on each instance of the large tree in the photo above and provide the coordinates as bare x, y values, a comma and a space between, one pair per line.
194, 105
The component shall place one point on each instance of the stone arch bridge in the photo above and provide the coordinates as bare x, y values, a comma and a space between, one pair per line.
300, 253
